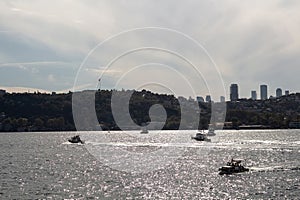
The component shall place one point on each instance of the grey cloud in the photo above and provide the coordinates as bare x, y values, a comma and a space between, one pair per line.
250, 41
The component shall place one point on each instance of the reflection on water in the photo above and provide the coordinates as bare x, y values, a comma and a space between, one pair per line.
44, 165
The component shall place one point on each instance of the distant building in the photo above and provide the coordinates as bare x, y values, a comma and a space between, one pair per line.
2, 116
263, 92
253, 95
234, 92
2, 92
222, 99
208, 98
182, 99
200, 99
294, 125
287, 92
278, 92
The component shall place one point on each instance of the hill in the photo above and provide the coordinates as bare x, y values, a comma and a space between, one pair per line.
53, 112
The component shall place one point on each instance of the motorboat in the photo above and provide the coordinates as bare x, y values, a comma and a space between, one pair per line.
144, 130
76, 139
211, 132
201, 137
233, 166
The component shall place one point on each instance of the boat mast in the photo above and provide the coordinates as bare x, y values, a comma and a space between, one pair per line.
99, 84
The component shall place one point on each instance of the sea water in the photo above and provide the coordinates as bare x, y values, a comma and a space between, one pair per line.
46, 166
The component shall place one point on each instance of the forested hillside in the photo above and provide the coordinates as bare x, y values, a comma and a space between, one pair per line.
53, 112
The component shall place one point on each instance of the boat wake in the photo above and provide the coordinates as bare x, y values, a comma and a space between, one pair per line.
273, 169
67, 143
150, 144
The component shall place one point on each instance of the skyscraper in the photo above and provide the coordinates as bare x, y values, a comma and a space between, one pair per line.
200, 99
253, 95
278, 92
234, 92
287, 92
208, 98
222, 99
263, 92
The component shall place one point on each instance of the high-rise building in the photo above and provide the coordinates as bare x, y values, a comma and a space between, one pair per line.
278, 92
200, 99
253, 95
287, 92
263, 92
222, 99
234, 92
208, 98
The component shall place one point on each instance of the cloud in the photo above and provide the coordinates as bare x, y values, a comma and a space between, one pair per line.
51, 78
40, 63
102, 71
56, 24
250, 41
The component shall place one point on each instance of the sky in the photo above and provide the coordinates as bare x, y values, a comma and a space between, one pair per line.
189, 48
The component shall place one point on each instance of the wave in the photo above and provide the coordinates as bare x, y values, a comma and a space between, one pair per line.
136, 144
212, 144
271, 142
266, 141
273, 168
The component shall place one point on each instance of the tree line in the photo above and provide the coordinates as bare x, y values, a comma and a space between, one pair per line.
53, 112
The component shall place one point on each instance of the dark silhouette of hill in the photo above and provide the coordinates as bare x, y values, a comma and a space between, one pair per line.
53, 112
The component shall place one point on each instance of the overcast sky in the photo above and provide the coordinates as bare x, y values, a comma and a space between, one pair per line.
44, 43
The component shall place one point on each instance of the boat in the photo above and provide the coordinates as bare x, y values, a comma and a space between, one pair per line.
144, 130
233, 166
201, 137
76, 139
211, 132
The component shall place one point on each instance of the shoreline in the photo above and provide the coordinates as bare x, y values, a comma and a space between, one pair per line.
73, 131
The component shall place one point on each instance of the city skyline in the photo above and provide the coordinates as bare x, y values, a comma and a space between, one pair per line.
253, 94
207, 97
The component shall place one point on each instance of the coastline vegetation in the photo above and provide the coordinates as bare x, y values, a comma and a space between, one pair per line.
53, 112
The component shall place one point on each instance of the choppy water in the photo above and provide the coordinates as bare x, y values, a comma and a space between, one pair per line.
45, 166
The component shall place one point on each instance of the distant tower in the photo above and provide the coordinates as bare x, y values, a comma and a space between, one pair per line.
253, 95
287, 92
278, 92
263, 92
234, 92
208, 98
222, 99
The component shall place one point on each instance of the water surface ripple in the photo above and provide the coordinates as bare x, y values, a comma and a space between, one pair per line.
45, 166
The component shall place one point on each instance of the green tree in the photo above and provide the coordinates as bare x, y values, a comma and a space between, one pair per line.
38, 122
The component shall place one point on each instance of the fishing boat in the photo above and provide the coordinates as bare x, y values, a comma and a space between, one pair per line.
233, 166
201, 137
144, 130
211, 132
76, 139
